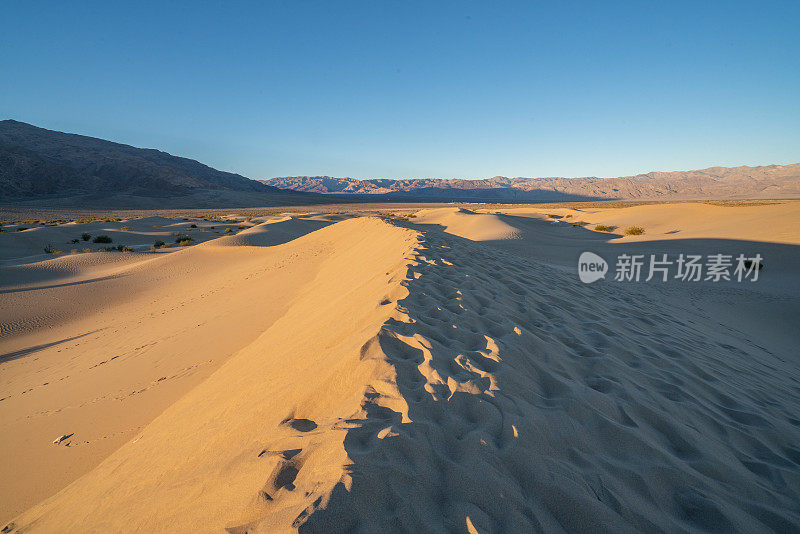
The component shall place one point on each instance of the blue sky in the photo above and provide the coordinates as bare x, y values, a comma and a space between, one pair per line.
415, 89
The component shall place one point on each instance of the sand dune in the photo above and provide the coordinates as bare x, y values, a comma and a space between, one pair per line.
101, 358
466, 223
768, 222
274, 232
444, 374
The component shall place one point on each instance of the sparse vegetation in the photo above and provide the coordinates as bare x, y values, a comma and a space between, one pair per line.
179, 238
49, 249
126, 228
634, 230
102, 239
552, 216
568, 216
21, 228
228, 230
185, 243
192, 225
604, 228
85, 236
118, 248
579, 223
158, 243
87, 250
75, 241
242, 227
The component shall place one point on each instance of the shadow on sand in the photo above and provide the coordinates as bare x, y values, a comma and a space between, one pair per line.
9, 356
539, 404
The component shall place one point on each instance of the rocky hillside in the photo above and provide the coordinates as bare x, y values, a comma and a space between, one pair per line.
773, 181
35, 162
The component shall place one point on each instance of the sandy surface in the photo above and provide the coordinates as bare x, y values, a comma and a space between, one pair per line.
448, 373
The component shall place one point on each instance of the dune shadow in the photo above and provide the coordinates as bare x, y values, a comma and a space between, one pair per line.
277, 233
9, 356
562, 244
65, 284
530, 409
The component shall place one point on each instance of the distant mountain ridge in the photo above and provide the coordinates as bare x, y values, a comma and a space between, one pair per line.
773, 181
36, 162
46, 167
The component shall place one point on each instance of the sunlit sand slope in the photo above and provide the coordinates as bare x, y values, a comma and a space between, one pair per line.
99, 351
422, 382
248, 443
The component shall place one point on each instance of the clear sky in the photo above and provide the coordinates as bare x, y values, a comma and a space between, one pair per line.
415, 89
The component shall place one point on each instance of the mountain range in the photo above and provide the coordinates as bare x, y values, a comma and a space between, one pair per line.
772, 181
75, 170
45, 167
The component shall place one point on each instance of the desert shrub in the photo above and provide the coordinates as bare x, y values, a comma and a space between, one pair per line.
228, 231
579, 223
165, 245
181, 238
185, 243
192, 225
85, 236
552, 216
210, 227
634, 230
118, 248
87, 250
242, 227
126, 228
604, 228
75, 241
49, 249
21, 228
153, 248
102, 239
158, 243
73, 251
567, 216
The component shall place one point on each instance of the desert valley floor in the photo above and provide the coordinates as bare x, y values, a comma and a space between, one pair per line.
429, 370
